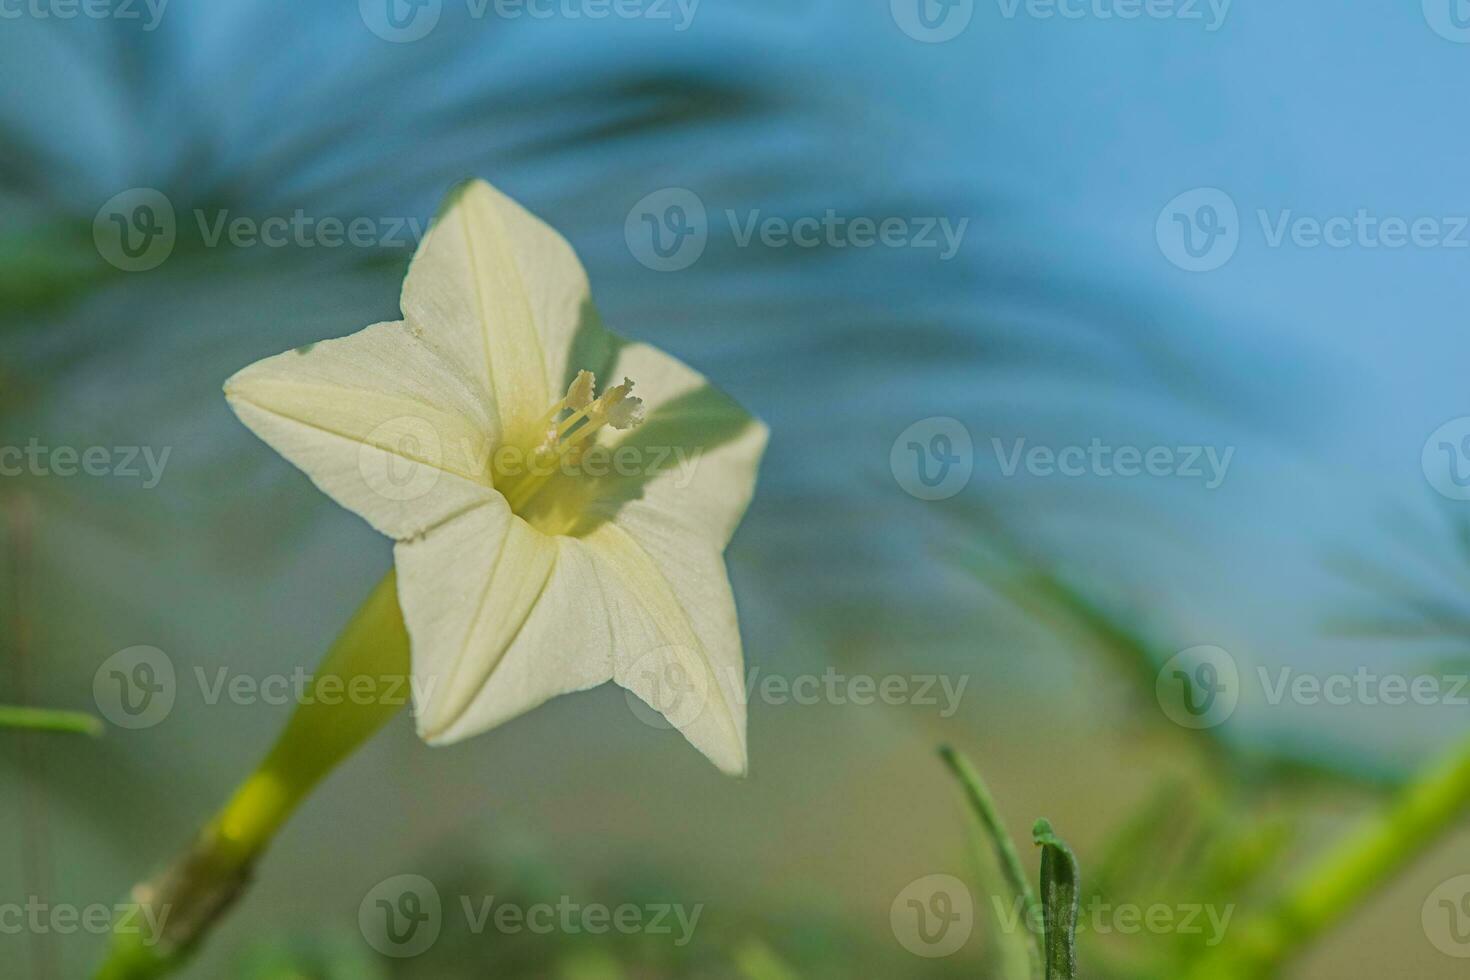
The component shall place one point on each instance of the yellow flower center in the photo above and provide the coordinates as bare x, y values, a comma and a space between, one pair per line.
568, 429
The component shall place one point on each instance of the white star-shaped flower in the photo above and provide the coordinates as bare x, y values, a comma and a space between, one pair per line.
549, 539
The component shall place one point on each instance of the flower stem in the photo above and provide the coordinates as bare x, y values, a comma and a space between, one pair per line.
358, 687
1354, 868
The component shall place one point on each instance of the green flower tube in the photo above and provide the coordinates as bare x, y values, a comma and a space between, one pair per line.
191, 895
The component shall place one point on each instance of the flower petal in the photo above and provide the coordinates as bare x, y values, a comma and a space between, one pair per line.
695, 457
502, 618
676, 638
378, 421
500, 292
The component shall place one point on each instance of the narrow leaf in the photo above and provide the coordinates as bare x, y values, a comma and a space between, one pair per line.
1005, 857
42, 720
1060, 880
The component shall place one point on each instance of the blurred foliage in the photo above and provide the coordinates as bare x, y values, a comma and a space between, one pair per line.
754, 943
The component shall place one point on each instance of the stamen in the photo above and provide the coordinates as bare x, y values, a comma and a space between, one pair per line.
626, 414
579, 395
616, 407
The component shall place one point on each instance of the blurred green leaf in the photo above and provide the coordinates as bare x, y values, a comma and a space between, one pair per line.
756, 960
44, 720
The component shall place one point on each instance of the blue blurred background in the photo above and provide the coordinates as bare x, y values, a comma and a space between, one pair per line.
1076, 150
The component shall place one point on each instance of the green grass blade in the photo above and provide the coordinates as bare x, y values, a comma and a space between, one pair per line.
987, 819
44, 720
1060, 897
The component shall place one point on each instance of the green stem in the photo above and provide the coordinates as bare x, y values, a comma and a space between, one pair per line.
192, 895
982, 805
46, 720
1354, 868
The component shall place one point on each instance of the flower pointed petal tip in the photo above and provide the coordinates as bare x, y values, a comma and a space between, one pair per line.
729, 754
737, 765
434, 731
